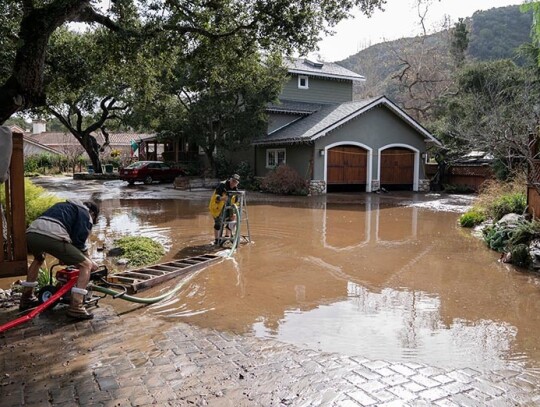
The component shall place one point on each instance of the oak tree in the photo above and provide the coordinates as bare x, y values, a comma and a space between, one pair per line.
29, 24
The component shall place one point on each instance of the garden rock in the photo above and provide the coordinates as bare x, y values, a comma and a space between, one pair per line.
8, 298
115, 252
534, 251
510, 220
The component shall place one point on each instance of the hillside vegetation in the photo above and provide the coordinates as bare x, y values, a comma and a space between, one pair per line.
493, 34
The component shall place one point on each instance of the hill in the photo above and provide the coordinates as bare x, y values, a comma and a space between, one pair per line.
493, 34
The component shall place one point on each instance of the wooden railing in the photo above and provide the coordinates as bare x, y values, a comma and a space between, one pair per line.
13, 255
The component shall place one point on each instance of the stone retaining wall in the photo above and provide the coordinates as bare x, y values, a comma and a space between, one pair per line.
317, 187
91, 176
187, 183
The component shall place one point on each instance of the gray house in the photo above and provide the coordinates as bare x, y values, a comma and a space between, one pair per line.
338, 143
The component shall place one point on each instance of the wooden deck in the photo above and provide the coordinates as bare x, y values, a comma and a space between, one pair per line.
146, 277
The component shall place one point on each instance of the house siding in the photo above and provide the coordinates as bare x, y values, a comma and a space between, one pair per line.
375, 129
320, 90
298, 157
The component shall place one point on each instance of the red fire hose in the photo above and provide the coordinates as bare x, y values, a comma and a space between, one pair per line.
51, 301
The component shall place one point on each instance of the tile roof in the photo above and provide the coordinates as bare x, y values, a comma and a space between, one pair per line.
304, 66
329, 117
64, 138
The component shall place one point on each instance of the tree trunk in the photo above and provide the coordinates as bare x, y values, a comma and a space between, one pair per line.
211, 160
96, 161
92, 148
24, 88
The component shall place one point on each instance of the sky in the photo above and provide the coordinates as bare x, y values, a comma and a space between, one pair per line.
400, 19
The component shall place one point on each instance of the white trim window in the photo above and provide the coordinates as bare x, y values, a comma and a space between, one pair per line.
303, 82
275, 157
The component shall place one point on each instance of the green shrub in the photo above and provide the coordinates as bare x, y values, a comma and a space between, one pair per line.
500, 170
504, 238
193, 168
140, 250
224, 167
46, 163
31, 164
43, 278
247, 180
524, 232
520, 255
36, 200
284, 180
472, 218
515, 202
497, 237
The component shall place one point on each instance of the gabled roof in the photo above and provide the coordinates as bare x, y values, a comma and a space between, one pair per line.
16, 129
304, 66
330, 117
51, 150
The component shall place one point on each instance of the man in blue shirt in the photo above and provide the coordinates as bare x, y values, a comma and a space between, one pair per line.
62, 231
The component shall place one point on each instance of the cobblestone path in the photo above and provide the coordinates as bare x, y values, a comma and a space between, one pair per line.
134, 360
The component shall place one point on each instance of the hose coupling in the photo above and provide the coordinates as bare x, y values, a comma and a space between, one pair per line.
77, 290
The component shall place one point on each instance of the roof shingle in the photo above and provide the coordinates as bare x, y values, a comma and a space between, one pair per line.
304, 66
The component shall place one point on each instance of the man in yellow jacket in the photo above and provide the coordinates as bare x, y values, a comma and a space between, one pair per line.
218, 201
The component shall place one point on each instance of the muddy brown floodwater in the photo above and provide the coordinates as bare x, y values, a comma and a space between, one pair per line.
389, 277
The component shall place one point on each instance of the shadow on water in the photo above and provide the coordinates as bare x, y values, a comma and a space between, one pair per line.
388, 277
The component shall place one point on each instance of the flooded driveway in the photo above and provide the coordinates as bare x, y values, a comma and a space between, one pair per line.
389, 277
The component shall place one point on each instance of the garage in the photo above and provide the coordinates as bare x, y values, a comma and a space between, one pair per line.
397, 169
346, 169
357, 146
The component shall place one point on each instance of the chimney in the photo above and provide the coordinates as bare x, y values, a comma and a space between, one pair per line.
39, 126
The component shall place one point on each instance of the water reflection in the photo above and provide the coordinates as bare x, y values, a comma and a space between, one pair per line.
371, 279
396, 325
391, 225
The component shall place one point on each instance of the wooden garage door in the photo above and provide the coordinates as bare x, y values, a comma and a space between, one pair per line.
397, 166
346, 165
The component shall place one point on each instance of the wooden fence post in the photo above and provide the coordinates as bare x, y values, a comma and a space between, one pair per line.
13, 256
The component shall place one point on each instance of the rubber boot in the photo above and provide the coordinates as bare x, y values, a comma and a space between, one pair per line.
28, 299
76, 308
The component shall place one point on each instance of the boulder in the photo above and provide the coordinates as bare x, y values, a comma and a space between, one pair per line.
511, 219
534, 251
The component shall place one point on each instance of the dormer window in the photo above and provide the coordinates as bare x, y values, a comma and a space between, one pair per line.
303, 82
315, 64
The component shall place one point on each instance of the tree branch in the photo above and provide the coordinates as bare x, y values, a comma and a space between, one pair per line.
65, 122
89, 15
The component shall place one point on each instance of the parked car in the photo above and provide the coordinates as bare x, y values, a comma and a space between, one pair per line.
149, 171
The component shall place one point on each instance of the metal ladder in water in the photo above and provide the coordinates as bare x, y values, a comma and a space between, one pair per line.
241, 205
